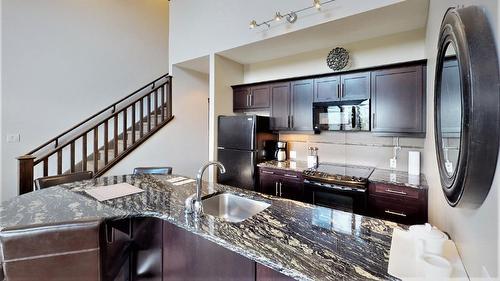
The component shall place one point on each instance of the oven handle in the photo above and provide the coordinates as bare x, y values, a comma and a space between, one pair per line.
333, 186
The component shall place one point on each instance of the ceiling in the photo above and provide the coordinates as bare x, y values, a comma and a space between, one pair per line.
201, 64
400, 17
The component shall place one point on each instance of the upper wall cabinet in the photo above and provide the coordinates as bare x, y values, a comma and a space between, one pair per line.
353, 86
398, 100
396, 93
249, 98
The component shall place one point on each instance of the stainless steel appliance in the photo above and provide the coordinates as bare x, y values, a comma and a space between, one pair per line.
342, 116
243, 142
280, 151
337, 186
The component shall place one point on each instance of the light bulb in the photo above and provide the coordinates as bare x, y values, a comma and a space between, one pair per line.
278, 16
253, 24
317, 4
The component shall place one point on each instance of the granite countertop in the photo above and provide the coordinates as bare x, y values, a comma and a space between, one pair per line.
398, 178
288, 165
302, 241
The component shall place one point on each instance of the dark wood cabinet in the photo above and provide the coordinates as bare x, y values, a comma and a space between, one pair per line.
355, 86
301, 105
397, 102
398, 203
250, 98
327, 89
260, 97
241, 98
280, 110
282, 183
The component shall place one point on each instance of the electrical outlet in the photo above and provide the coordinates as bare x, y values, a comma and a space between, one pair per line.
393, 163
13, 138
293, 154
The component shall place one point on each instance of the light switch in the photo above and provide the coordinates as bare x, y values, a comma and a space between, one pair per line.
393, 163
12, 138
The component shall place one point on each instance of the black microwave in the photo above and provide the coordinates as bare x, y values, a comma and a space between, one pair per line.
342, 116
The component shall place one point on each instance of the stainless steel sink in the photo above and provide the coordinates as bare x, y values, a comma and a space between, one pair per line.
232, 208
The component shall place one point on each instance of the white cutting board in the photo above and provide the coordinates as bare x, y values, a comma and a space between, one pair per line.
108, 192
403, 263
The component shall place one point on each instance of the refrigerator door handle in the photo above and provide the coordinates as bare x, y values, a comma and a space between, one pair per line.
276, 188
280, 189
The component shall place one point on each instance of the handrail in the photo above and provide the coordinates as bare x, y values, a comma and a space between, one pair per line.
131, 121
56, 139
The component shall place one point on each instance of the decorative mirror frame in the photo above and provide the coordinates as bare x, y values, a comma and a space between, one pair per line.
471, 35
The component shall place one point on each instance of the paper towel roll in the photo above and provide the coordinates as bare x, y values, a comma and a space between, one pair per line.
414, 163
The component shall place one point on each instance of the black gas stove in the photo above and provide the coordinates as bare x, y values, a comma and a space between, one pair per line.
345, 175
338, 186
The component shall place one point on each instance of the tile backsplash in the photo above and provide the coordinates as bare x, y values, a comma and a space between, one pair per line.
356, 148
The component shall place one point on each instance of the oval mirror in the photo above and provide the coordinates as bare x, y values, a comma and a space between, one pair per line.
467, 106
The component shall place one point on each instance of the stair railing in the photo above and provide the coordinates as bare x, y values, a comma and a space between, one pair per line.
130, 121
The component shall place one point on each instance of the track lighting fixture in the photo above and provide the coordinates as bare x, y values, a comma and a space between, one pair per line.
290, 17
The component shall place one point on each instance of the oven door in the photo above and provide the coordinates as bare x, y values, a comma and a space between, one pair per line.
334, 197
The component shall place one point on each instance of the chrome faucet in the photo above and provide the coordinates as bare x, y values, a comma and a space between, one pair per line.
193, 202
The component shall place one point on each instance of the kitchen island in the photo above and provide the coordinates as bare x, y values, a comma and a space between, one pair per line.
299, 240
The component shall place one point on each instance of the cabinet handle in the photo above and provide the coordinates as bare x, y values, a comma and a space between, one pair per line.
276, 187
395, 213
280, 189
338, 91
373, 120
291, 118
267, 172
248, 100
251, 99
342, 90
396, 191
290, 176
288, 122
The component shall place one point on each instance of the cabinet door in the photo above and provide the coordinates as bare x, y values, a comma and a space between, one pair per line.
355, 86
291, 189
241, 98
302, 100
269, 183
327, 89
260, 97
397, 100
280, 109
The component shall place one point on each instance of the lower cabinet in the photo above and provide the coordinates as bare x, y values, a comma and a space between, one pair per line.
286, 184
399, 204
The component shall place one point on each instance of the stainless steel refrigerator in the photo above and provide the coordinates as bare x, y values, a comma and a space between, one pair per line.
243, 142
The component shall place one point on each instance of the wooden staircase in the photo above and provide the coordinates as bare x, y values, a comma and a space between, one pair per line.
102, 140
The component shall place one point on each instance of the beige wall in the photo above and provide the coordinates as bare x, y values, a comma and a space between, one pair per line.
63, 61
474, 230
394, 48
183, 143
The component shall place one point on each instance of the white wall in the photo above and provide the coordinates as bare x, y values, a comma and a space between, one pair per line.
223, 73
394, 48
474, 231
183, 143
200, 28
64, 60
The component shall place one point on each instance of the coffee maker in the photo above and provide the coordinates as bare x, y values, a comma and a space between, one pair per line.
280, 151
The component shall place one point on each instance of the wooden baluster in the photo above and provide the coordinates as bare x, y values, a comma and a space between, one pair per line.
59, 161
162, 91
72, 157
46, 167
156, 108
133, 124
115, 135
169, 97
96, 149
125, 129
84, 152
106, 148
141, 117
149, 112
26, 166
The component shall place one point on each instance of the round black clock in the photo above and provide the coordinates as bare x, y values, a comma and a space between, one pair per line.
338, 59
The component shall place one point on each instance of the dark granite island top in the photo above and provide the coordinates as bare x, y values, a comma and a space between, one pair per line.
299, 240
